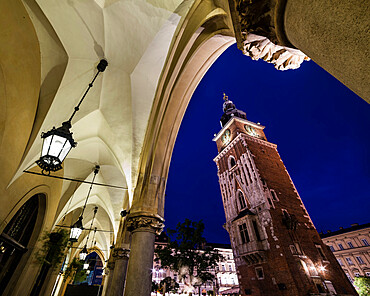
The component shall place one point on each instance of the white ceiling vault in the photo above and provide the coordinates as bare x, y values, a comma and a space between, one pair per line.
147, 44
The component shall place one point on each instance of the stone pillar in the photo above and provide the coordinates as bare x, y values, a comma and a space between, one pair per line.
117, 283
108, 277
143, 231
335, 34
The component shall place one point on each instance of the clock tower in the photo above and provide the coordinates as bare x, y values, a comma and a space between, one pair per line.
276, 247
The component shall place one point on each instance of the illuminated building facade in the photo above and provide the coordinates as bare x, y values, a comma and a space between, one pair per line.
276, 246
226, 280
351, 247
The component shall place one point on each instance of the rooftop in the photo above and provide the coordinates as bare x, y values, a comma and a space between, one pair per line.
353, 227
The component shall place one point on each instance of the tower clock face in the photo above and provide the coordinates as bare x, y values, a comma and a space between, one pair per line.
251, 131
226, 136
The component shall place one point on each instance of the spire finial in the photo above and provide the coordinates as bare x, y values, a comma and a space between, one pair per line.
226, 98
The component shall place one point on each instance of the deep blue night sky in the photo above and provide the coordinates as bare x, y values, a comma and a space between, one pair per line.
320, 126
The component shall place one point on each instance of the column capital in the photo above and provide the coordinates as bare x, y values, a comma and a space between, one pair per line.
259, 32
145, 222
110, 265
120, 253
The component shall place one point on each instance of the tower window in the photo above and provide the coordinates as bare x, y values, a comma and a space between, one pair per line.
255, 227
244, 233
340, 262
241, 200
274, 196
319, 249
350, 245
331, 248
340, 246
259, 273
232, 162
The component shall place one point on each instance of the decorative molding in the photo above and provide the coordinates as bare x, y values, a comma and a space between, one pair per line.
145, 223
120, 253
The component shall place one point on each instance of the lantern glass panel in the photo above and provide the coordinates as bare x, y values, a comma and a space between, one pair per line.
75, 233
57, 145
82, 255
67, 147
46, 145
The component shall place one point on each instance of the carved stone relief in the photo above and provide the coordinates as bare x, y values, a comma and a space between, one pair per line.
259, 32
283, 58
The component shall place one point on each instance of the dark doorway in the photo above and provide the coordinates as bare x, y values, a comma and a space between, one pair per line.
15, 238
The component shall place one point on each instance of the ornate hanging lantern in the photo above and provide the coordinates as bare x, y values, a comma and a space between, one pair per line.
83, 253
58, 141
76, 230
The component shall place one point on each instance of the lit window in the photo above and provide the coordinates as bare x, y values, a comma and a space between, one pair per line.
241, 200
230, 267
349, 261
223, 267
244, 233
357, 274
350, 245
340, 246
331, 248
364, 241
367, 274
340, 262
359, 259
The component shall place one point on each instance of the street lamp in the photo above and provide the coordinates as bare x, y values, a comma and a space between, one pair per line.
77, 227
83, 253
59, 141
76, 230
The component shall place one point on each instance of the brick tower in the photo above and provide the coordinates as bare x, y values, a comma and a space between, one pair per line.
276, 247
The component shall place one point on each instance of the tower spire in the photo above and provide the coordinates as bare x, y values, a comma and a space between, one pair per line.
230, 111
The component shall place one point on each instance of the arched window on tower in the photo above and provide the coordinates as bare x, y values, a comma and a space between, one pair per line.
232, 162
241, 200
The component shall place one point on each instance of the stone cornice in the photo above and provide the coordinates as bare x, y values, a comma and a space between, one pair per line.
239, 137
232, 119
152, 223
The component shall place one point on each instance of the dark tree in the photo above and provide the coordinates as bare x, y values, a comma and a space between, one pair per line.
188, 254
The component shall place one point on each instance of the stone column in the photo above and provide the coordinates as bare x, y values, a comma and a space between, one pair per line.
143, 231
117, 284
108, 277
